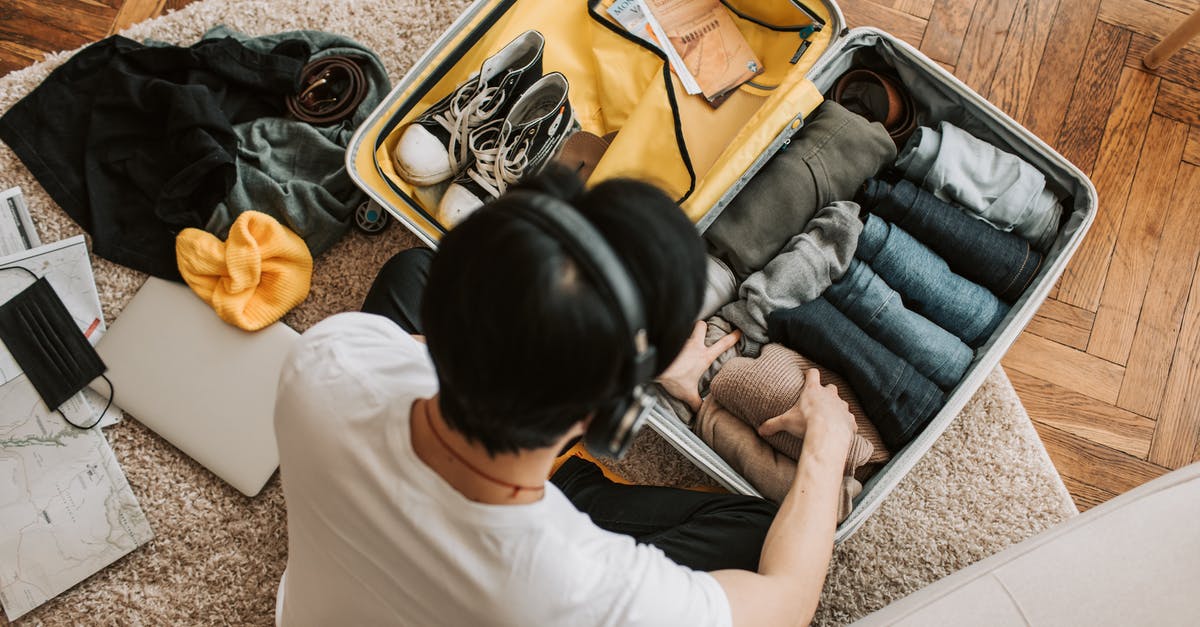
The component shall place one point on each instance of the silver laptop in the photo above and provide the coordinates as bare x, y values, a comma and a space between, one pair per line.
205, 386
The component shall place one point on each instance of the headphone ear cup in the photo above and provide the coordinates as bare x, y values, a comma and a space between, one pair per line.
602, 437
615, 424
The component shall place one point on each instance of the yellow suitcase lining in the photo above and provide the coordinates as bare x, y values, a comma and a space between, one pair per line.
618, 83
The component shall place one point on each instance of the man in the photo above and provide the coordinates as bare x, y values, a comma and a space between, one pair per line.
415, 477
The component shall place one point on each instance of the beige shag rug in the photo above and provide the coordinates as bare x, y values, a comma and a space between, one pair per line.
216, 556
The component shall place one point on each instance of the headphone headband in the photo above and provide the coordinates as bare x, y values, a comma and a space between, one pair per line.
585, 245
588, 249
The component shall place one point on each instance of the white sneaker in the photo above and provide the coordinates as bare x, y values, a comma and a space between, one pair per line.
507, 151
434, 147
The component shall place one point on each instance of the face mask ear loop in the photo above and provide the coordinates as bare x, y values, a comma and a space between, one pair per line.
95, 422
111, 391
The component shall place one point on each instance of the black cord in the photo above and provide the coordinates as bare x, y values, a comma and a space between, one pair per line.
102, 376
111, 394
815, 23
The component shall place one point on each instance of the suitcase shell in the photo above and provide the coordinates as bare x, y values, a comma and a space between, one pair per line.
941, 93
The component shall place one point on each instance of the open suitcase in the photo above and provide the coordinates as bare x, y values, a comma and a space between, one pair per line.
705, 156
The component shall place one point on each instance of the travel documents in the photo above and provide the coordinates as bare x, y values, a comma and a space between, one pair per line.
700, 40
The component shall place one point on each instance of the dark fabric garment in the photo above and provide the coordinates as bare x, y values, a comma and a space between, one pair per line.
700, 530
294, 171
926, 283
398, 289
826, 161
136, 142
1000, 261
876, 308
897, 398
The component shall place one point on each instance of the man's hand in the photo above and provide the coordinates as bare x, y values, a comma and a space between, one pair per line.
820, 416
796, 552
682, 378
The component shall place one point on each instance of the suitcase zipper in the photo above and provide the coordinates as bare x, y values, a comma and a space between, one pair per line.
777, 145
815, 20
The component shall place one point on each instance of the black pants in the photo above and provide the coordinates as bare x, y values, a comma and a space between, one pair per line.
696, 529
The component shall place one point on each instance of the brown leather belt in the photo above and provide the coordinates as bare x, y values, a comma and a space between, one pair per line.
879, 98
330, 90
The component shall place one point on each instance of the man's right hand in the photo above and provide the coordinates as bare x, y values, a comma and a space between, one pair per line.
796, 553
821, 417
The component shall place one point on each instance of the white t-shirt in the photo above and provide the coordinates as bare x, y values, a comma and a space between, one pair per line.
376, 537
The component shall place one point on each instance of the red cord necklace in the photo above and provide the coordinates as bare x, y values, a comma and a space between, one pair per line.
516, 487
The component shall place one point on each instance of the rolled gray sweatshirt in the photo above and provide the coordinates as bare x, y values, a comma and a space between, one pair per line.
807, 265
997, 187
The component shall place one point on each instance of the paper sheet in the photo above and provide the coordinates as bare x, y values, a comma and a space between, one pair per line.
16, 228
628, 13
66, 508
659, 34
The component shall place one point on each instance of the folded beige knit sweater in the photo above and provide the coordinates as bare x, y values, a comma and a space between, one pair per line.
768, 470
757, 390
747, 392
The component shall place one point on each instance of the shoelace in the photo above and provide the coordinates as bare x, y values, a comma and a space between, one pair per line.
497, 167
463, 113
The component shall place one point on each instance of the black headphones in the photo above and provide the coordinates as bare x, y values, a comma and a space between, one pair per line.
613, 427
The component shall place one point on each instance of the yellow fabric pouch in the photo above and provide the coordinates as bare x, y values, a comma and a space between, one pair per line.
253, 278
618, 84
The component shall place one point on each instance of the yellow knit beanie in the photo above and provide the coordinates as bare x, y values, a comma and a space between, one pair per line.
258, 274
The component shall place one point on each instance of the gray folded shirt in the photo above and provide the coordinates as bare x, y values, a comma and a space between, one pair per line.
294, 171
809, 264
999, 188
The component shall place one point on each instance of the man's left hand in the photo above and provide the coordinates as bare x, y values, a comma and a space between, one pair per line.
682, 378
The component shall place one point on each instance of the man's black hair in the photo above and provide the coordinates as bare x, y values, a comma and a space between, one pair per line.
523, 344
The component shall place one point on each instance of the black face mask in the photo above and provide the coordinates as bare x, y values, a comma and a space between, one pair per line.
42, 337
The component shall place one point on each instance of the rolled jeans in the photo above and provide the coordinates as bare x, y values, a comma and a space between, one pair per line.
928, 287
998, 186
700, 530
876, 308
995, 259
897, 399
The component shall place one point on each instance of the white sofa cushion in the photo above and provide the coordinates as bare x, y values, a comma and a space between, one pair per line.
1134, 560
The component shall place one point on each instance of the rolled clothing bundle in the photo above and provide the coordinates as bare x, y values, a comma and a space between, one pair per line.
757, 390
876, 308
826, 161
768, 470
926, 283
897, 399
809, 263
255, 277
999, 261
999, 187
720, 287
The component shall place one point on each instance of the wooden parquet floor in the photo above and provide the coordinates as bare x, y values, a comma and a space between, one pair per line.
1109, 368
